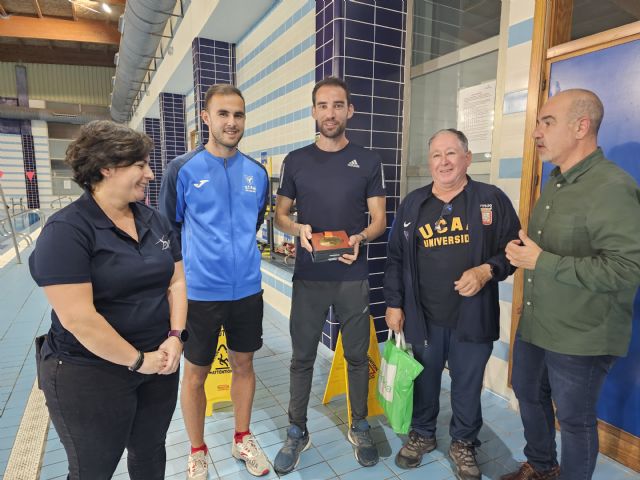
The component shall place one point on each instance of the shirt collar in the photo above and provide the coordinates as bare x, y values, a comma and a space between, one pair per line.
100, 219
579, 168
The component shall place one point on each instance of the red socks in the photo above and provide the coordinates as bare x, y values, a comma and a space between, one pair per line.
238, 436
201, 448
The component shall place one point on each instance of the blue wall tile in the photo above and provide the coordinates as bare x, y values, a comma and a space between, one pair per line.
520, 32
213, 62
360, 12
173, 131
359, 85
510, 168
152, 129
29, 159
505, 292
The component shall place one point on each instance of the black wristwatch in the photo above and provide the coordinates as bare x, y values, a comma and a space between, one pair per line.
182, 335
492, 270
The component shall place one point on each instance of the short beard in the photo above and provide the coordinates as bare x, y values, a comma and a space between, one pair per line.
335, 134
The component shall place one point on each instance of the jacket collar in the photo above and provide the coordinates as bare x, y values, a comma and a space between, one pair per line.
221, 160
428, 189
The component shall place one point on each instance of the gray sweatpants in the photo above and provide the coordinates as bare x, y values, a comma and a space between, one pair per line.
309, 307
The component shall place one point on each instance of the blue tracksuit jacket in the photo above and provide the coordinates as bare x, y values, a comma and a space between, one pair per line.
216, 206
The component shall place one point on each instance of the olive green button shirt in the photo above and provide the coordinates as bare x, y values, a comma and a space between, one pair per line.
579, 297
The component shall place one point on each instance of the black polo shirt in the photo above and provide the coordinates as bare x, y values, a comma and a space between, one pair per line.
80, 244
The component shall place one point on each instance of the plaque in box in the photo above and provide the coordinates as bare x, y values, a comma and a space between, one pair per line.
328, 246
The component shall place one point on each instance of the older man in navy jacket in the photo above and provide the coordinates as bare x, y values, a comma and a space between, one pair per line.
446, 257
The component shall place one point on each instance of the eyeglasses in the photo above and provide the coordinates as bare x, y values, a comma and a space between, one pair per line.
447, 209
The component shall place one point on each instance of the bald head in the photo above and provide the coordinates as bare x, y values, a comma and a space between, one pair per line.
583, 103
567, 127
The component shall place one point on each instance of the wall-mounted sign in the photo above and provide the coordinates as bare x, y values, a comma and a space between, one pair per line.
475, 115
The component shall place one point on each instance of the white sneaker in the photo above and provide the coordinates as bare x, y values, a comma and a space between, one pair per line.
252, 455
197, 466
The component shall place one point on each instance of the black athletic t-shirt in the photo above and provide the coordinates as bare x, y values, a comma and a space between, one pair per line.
331, 191
443, 255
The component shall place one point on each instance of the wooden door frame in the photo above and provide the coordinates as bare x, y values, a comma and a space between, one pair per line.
551, 32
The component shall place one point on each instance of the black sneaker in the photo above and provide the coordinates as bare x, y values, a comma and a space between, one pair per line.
410, 455
289, 455
463, 455
365, 450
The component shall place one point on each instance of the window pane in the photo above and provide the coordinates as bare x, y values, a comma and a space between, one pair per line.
434, 107
443, 26
595, 16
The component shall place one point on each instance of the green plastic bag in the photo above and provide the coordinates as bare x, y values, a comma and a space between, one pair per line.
398, 369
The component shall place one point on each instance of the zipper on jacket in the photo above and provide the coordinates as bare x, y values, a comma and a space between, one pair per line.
414, 273
233, 252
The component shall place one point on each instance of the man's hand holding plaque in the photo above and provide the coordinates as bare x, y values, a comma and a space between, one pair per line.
330, 246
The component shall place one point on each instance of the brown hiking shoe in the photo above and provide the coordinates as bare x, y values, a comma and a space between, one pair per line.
410, 455
463, 455
527, 472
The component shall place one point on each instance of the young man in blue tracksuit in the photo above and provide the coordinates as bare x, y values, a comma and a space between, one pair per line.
446, 256
216, 197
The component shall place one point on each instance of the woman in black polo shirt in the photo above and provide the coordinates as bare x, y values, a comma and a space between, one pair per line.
112, 271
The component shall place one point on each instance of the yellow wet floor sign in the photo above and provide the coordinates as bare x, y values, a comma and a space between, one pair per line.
338, 381
217, 386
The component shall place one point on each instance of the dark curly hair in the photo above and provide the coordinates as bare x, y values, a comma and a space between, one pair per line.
104, 144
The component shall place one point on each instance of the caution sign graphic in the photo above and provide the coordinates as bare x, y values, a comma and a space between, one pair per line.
338, 381
217, 387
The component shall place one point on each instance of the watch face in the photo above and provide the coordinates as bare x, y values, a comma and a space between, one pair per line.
184, 336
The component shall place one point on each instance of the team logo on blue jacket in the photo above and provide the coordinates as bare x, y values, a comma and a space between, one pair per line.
249, 186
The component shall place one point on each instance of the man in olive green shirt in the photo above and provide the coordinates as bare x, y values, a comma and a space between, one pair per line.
582, 270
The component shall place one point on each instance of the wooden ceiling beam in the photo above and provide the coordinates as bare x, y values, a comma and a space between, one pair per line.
56, 55
36, 7
91, 31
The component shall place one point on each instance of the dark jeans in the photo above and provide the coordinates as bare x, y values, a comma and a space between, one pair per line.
467, 362
573, 382
98, 410
309, 307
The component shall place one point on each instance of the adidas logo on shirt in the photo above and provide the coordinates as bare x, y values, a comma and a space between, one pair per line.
353, 163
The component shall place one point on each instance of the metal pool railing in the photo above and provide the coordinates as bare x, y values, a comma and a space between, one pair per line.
19, 225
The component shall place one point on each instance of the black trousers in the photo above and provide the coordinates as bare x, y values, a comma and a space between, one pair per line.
99, 410
309, 307
467, 362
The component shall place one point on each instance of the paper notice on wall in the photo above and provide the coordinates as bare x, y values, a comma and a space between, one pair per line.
66, 184
475, 115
